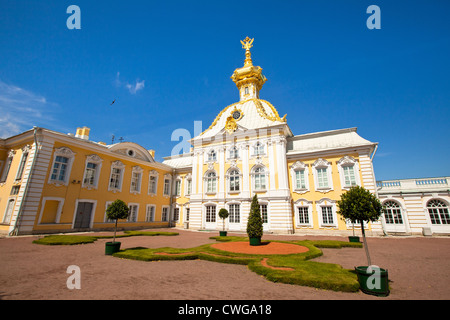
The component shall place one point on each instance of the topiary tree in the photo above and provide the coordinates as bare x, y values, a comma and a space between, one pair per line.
359, 205
255, 223
117, 210
223, 214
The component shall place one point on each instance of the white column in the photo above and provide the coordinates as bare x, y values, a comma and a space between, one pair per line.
200, 172
282, 164
194, 173
272, 168
222, 154
245, 171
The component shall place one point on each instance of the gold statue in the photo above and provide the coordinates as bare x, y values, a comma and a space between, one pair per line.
247, 44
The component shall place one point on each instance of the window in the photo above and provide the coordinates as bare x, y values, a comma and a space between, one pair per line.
212, 156
303, 215
392, 212
178, 187
176, 214
322, 178
23, 162
263, 209
15, 190
92, 171
60, 168
300, 181
211, 181
89, 174
115, 181
349, 176
327, 215
348, 170
136, 178
234, 211
246, 90
116, 177
438, 212
258, 149
299, 175
133, 213
210, 213
6, 169
234, 180
322, 175
166, 187
62, 163
234, 153
187, 213
259, 179
188, 186
150, 214
165, 214
9, 211
152, 182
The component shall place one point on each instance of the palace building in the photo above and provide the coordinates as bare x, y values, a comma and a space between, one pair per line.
54, 182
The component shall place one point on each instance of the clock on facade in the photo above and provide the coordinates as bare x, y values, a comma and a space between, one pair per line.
236, 115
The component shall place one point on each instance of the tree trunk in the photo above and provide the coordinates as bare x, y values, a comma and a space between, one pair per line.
365, 243
115, 229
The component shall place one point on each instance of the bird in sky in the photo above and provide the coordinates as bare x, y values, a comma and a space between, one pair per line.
113, 102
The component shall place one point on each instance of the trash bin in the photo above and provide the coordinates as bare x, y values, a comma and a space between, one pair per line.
186, 225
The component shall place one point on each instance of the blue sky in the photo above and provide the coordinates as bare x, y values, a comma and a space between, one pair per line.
168, 64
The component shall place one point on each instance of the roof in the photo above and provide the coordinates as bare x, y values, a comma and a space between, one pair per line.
326, 140
179, 161
255, 114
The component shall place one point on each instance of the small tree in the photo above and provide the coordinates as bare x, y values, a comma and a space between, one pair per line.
255, 223
117, 210
359, 205
223, 214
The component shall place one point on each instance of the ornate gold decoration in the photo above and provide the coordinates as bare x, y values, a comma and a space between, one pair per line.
231, 125
240, 111
247, 43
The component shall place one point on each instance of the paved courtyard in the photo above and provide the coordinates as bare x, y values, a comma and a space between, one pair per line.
417, 268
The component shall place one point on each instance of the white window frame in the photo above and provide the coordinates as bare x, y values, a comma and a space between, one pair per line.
138, 184
264, 203
23, 162
70, 155
116, 165
167, 213
58, 213
348, 161
232, 214
211, 156
166, 191
177, 186
210, 181
230, 177
322, 164
188, 185
176, 207
233, 153
129, 219
299, 166
13, 200
305, 204
7, 166
259, 149
264, 174
206, 213
105, 218
149, 215
95, 159
326, 202
153, 174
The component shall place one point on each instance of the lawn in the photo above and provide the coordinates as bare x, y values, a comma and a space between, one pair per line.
295, 269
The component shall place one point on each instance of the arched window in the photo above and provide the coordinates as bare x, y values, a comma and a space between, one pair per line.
259, 179
234, 153
234, 180
438, 212
211, 182
258, 149
392, 212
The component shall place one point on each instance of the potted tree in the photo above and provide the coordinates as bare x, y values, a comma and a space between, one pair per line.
353, 238
115, 211
359, 205
255, 223
223, 214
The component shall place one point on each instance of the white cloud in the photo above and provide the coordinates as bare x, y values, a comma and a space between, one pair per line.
21, 109
135, 88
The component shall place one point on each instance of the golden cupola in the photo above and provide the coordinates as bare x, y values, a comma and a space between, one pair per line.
249, 79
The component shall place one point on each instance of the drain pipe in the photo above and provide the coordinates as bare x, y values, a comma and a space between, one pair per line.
15, 231
383, 227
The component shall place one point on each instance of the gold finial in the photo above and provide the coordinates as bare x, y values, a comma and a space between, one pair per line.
247, 43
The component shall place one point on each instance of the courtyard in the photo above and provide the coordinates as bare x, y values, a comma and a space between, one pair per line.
31, 271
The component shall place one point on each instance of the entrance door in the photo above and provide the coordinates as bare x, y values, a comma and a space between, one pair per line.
83, 215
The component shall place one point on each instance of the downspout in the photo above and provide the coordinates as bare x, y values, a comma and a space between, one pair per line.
383, 227
15, 231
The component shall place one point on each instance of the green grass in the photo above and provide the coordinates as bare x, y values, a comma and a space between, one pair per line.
75, 239
306, 273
